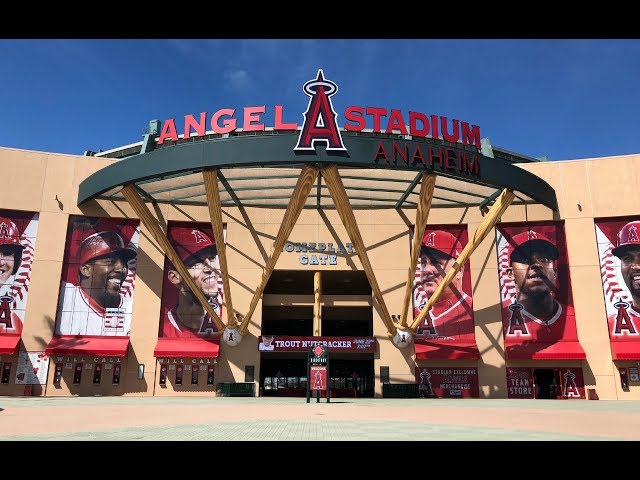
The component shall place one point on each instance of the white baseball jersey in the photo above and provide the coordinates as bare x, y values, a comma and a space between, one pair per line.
81, 315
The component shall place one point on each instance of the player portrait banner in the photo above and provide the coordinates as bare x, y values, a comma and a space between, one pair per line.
450, 321
17, 243
98, 277
538, 319
447, 382
619, 253
181, 314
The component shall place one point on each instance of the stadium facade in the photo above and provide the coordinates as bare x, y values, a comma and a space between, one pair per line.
221, 255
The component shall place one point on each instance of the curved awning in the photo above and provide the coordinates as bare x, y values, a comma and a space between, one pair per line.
263, 169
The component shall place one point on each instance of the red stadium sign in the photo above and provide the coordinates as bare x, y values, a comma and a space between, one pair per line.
320, 90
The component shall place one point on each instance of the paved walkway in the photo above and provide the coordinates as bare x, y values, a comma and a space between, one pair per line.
293, 419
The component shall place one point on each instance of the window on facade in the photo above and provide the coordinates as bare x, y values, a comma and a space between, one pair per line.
57, 374
163, 375
77, 374
249, 374
97, 373
6, 372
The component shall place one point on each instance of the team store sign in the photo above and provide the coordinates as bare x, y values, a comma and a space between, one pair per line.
521, 383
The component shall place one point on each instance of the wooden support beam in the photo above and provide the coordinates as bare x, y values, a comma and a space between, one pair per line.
341, 200
296, 204
131, 195
215, 213
489, 221
317, 292
422, 215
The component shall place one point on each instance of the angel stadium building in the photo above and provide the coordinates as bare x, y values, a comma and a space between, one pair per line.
316, 257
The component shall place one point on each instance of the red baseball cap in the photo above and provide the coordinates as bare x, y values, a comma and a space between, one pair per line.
190, 241
442, 241
101, 244
9, 235
627, 237
529, 241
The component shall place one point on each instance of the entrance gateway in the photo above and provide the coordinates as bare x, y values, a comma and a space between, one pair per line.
319, 165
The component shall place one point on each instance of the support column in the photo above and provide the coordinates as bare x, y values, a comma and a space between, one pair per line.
131, 195
296, 204
341, 200
422, 215
215, 213
317, 294
489, 221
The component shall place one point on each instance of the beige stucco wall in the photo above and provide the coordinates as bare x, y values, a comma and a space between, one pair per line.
48, 183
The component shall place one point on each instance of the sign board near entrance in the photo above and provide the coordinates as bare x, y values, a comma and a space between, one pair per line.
520, 383
271, 343
447, 382
318, 377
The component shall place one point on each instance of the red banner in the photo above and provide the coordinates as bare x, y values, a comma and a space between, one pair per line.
271, 343
98, 277
572, 382
318, 377
451, 318
181, 314
537, 306
17, 238
447, 382
619, 251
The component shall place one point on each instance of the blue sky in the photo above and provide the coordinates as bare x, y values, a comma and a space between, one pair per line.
563, 99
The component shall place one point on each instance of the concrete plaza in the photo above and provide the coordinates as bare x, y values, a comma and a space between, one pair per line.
275, 419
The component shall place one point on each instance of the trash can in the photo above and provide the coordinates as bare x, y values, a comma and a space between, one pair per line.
591, 394
27, 390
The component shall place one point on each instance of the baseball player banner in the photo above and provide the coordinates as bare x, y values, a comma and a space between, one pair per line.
17, 241
181, 314
535, 287
447, 382
451, 318
619, 253
98, 277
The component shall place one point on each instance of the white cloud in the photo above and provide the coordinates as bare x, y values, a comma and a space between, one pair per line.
238, 80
